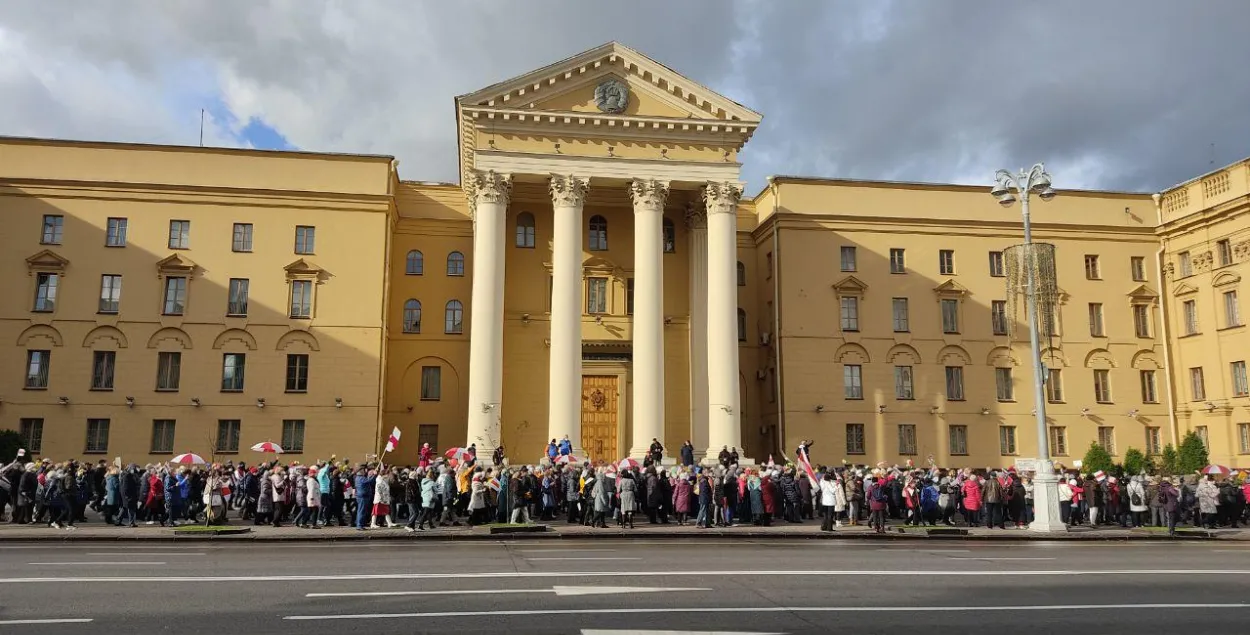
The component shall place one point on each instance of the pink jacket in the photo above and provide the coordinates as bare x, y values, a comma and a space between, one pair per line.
972, 494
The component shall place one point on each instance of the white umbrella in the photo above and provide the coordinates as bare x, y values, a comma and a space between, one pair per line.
188, 459
269, 447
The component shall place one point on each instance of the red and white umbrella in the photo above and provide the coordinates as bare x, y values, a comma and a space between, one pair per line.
1218, 470
188, 459
628, 464
268, 447
460, 454
567, 459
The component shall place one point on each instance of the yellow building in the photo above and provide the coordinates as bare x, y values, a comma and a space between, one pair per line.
596, 274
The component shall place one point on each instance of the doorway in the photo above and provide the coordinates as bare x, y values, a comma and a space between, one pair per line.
601, 399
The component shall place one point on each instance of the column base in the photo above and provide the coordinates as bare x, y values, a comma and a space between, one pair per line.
1046, 518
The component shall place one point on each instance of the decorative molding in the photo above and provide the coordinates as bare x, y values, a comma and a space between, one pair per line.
1001, 357
900, 350
612, 96
40, 330
721, 197
1100, 358
1053, 357
1225, 278
1215, 185
517, 163
852, 353
1203, 260
568, 190
303, 269
46, 261
1241, 251
297, 336
175, 265
950, 289
1169, 270
487, 186
648, 194
950, 354
696, 216
1142, 295
105, 332
1184, 288
235, 335
170, 333
1145, 360
850, 285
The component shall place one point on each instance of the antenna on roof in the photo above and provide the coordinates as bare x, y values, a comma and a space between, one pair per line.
201, 127
1212, 162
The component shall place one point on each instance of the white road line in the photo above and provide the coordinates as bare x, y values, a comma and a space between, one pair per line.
580, 558
95, 564
325, 577
602, 631
771, 609
927, 550
66, 620
146, 554
565, 550
988, 558
561, 591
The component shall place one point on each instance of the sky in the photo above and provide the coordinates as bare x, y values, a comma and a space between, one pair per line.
1113, 94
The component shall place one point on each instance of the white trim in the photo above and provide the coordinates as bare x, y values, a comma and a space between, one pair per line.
611, 168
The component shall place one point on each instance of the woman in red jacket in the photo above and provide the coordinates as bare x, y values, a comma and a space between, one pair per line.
971, 490
156, 498
768, 490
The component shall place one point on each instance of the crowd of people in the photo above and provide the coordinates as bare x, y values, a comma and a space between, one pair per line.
440, 492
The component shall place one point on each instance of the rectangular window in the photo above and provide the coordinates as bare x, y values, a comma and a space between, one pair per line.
902, 383
1092, 271
297, 373
1095, 319
906, 438
853, 381
175, 295
102, 366
1137, 266
1232, 314
1002, 382
1154, 441
1197, 386
1058, 441
1149, 390
163, 436
168, 371
954, 383
596, 295
1054, 385
53, 226
97, 436
110, 293
958, 440
293, 435
629, 296
45, 292
950, 316
37, 365
236, 303
1106, 438
301, 298
1141, 320
1007, 440
998, 316
116, 233
996, 264
228, 436
1190, 310
855, 438
1187, 264
242, 237
1241, 388
427, 433
305, 241
1102, 385
946, 262
32, 435
900, 315
898, 262
179, 234
1243, 437
1224, 251
848, 259
431, 383
232, 365
850, 313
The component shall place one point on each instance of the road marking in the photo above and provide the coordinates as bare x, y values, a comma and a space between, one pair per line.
95, 564
622, 574
580, 558
66, 620
147, 555
988, 558
565, 550
599, 631
558, 590
771, 609
928, 550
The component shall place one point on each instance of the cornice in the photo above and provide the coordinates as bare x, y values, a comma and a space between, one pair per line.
595, 120
159, 193
943, 226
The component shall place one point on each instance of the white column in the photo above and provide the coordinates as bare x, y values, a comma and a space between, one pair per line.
488, 202
564, 398
696, 222
724, 426
648, 355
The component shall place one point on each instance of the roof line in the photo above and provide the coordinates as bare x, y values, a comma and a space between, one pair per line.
177, 147
781, 178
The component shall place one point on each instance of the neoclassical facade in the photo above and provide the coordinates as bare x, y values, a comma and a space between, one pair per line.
597, 273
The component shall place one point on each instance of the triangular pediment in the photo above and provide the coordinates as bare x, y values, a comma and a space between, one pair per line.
1225, 278
850, 285
1143, 292
47, 260
950, 288
1184, 288
175, 263
302, 266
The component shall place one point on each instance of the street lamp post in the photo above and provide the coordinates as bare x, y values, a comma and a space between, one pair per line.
1007, 188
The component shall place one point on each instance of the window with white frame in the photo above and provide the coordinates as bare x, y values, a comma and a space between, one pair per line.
958, 440
848, 258
1197, 384
903, 383
1137, 266
954, 383
236, 300
301, 298
946, 262
1224, 251
996, 264
305, 239
950, 315
998, 316
115, 234
855, 438
1102, 385
242, 240
1005, 390
1007, 440
45, 292
901, 319
175, 302
1154, 441
110, 293
1106, 438
850, 313
898, 261
1054, 385
1141, 320
1190, 311
1241, 388
907, 439
1232, 313
596, 295
53, 228
1186, 264
1092, 270
1058, 441
1149, 389
453, 318
853, 381
179, 234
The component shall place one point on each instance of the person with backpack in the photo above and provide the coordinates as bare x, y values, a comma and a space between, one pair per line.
1169, 501
1137, 501
878, 493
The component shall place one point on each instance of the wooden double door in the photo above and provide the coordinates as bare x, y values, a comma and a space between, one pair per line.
601, 408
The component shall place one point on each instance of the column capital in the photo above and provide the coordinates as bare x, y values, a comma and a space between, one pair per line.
722, 197
648, 194
696, 216
487, 187
568, 190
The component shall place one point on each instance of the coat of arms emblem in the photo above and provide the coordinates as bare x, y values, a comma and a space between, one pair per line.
612, 96
598, 399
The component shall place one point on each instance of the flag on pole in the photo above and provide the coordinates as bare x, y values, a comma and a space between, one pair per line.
807, 465
393, 441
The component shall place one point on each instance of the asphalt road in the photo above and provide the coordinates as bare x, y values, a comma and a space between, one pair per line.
601, 587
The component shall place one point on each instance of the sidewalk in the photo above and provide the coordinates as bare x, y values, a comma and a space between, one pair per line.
95, 531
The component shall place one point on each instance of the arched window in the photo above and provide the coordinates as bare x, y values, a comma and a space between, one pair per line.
453, 320
598, 239
415, 263
455, 264
412, 316
525, 230
742, 325
742, 274
670, 237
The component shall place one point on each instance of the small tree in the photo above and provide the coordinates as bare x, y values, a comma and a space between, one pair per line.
10, 442
1135, 462
1192, 455
1097, 459
1169, 460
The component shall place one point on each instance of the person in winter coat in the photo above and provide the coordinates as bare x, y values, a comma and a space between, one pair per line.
770, 494
790, 497
601, 496
993, 496
173, 497
427, 503
573, 495
1208, 501
1092, 491
381, 502
518, 496
878, 497
279, 487
655, 495
971, 493
1138, 501
264, 500
687, 454
681, 497
1169, 502
629, 504
129, 495
363, 487
829, 487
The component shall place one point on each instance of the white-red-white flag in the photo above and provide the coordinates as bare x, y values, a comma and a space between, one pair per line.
393, 441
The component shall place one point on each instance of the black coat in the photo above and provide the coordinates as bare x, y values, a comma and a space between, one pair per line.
129, 487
